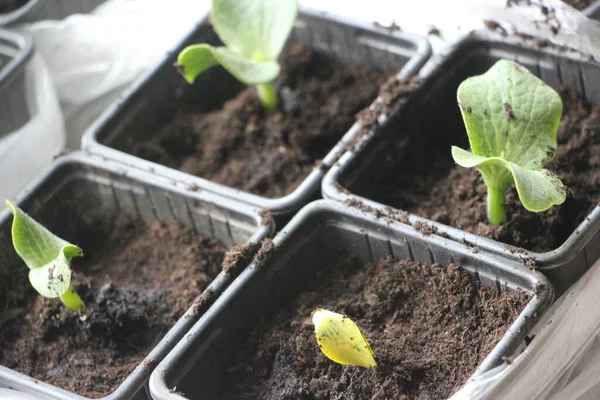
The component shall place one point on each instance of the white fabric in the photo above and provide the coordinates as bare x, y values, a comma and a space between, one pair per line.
28, 151
93, 57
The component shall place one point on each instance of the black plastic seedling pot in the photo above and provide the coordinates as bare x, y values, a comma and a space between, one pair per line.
146, 104
39, 10
15, 51
62, 200
317, 238
434, 102
593, 10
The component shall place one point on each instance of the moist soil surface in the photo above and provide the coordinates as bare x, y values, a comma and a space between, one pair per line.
433, 186
135, 286
579, 4
7, 6
428, 326
239, 145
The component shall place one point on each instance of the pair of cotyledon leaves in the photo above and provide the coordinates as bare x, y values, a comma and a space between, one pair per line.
254, 33
512, 119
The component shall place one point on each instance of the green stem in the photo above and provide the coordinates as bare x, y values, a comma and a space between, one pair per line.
267, 96
72, 300
495, 206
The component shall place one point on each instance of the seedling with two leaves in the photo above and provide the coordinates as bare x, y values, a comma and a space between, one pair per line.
512, 120
254, 33
48, 258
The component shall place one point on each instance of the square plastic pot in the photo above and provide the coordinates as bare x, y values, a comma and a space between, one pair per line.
16, 50
143, 106
61, 200
197, 364
437, 94
39, 10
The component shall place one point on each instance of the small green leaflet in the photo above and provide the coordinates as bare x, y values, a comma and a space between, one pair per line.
197, 58
254, 33
47, 256
512, 119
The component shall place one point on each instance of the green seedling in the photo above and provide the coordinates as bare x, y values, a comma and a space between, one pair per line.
48, 258
254, 33
512, 119
340, 339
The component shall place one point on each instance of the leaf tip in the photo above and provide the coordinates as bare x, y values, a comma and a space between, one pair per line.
181, 70
10, 206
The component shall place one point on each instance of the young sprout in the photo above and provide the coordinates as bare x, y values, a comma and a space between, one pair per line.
48, 258
341, 341
254, 33
511, 118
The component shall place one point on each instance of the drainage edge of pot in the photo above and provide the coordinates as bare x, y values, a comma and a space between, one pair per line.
39, 10
338, 29
115, 177
12, 80
563, 265
370, 236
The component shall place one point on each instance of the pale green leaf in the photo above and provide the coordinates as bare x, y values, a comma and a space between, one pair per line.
53, 279
254, 28
47, 256
538, 189
512, 120
195, 59
512, 114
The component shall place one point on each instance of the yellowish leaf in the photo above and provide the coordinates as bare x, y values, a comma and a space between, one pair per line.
341, 341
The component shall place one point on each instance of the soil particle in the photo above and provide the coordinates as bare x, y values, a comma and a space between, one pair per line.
339, 187
424, 228
239, 256
136, 282
429, 328
192, 187
529, 262
539, 288
434, 31
363, 207
267, 154
149, 365
494, 26
202, 303
431, 185
7, 6
474, 249
265, 217
267, 249
391, 28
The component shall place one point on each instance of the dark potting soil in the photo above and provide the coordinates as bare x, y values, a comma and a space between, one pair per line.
579, 4
136, 284
433, 186
429, 327
268, 154
7, 6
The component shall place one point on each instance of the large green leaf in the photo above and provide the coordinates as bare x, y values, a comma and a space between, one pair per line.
512, 119
47, 256
254, 28
195, 59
